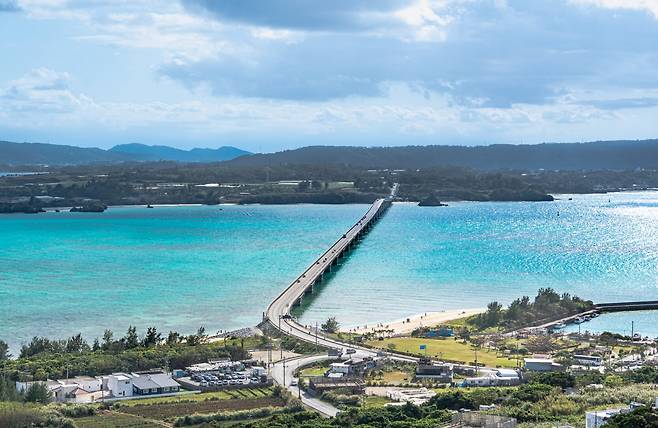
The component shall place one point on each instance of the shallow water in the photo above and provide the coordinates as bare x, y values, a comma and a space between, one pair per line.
172, 267
421, 259
182, 267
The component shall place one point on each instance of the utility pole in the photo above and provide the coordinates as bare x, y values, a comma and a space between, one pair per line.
477, 367
284, 372
316, 336
632, 330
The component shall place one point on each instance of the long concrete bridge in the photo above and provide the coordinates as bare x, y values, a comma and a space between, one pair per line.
278, 312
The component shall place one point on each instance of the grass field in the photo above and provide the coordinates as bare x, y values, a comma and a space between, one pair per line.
397, 377
115, 420
371, 401
449, 349
313, 371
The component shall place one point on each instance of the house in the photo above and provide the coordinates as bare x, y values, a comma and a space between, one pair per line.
541, 365
339, 368
499, 377
437, 372
157, 383
599, 418
508, 376
353, 366
120, 385
72, 393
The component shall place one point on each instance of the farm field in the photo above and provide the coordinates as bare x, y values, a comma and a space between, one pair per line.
115, 420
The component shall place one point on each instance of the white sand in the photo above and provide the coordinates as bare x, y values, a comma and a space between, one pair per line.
426, 319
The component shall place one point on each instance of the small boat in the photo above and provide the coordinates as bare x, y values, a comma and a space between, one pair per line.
149, 206
559, 326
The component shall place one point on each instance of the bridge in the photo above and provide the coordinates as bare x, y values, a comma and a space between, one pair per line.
278, 312
627, 306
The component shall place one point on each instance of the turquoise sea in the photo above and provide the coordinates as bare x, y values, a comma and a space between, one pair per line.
219, 266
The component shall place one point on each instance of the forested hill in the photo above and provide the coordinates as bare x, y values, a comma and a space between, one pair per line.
616, 155
53, 154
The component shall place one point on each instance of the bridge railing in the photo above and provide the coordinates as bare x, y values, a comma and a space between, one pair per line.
376, 206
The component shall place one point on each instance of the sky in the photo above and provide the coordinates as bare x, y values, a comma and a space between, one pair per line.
279, 74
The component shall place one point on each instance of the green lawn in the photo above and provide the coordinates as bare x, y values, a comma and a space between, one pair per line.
371, 401
313, 371
449, 349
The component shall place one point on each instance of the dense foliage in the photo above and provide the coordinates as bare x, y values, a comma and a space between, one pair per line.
44, 358
645, 417
547, 305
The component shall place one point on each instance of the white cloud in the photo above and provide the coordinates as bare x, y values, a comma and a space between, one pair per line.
650, 6
425, 20
43, 91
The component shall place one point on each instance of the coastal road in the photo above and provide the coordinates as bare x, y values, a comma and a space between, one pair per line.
291, 366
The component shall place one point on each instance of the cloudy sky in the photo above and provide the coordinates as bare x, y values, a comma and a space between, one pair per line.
272, 74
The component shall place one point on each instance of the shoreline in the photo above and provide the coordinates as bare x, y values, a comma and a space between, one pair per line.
410, 323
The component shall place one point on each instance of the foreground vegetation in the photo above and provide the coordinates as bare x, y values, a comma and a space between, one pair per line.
43, 358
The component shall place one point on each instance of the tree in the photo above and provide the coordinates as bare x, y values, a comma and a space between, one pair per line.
8, 390
131, 340
38, 392
540, 343
152, 337
173, 338
201, 333
330, 326
107, 339
642, 417
76, 344
4, 351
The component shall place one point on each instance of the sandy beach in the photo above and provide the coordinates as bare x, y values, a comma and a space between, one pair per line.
408, 324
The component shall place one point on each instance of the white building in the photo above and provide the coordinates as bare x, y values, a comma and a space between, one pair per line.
79, 389
499, 377
120, 385
600, 417
156, 383
541, 365
588, 360
341, 368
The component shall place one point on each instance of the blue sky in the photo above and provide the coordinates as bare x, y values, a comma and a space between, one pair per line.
278, 74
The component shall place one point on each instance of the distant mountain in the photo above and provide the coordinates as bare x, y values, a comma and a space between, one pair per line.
52, 154
157, 153
563, 156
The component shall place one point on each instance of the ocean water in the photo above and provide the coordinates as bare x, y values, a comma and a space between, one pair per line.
421, 259
172, 267
182, 267
626, 323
